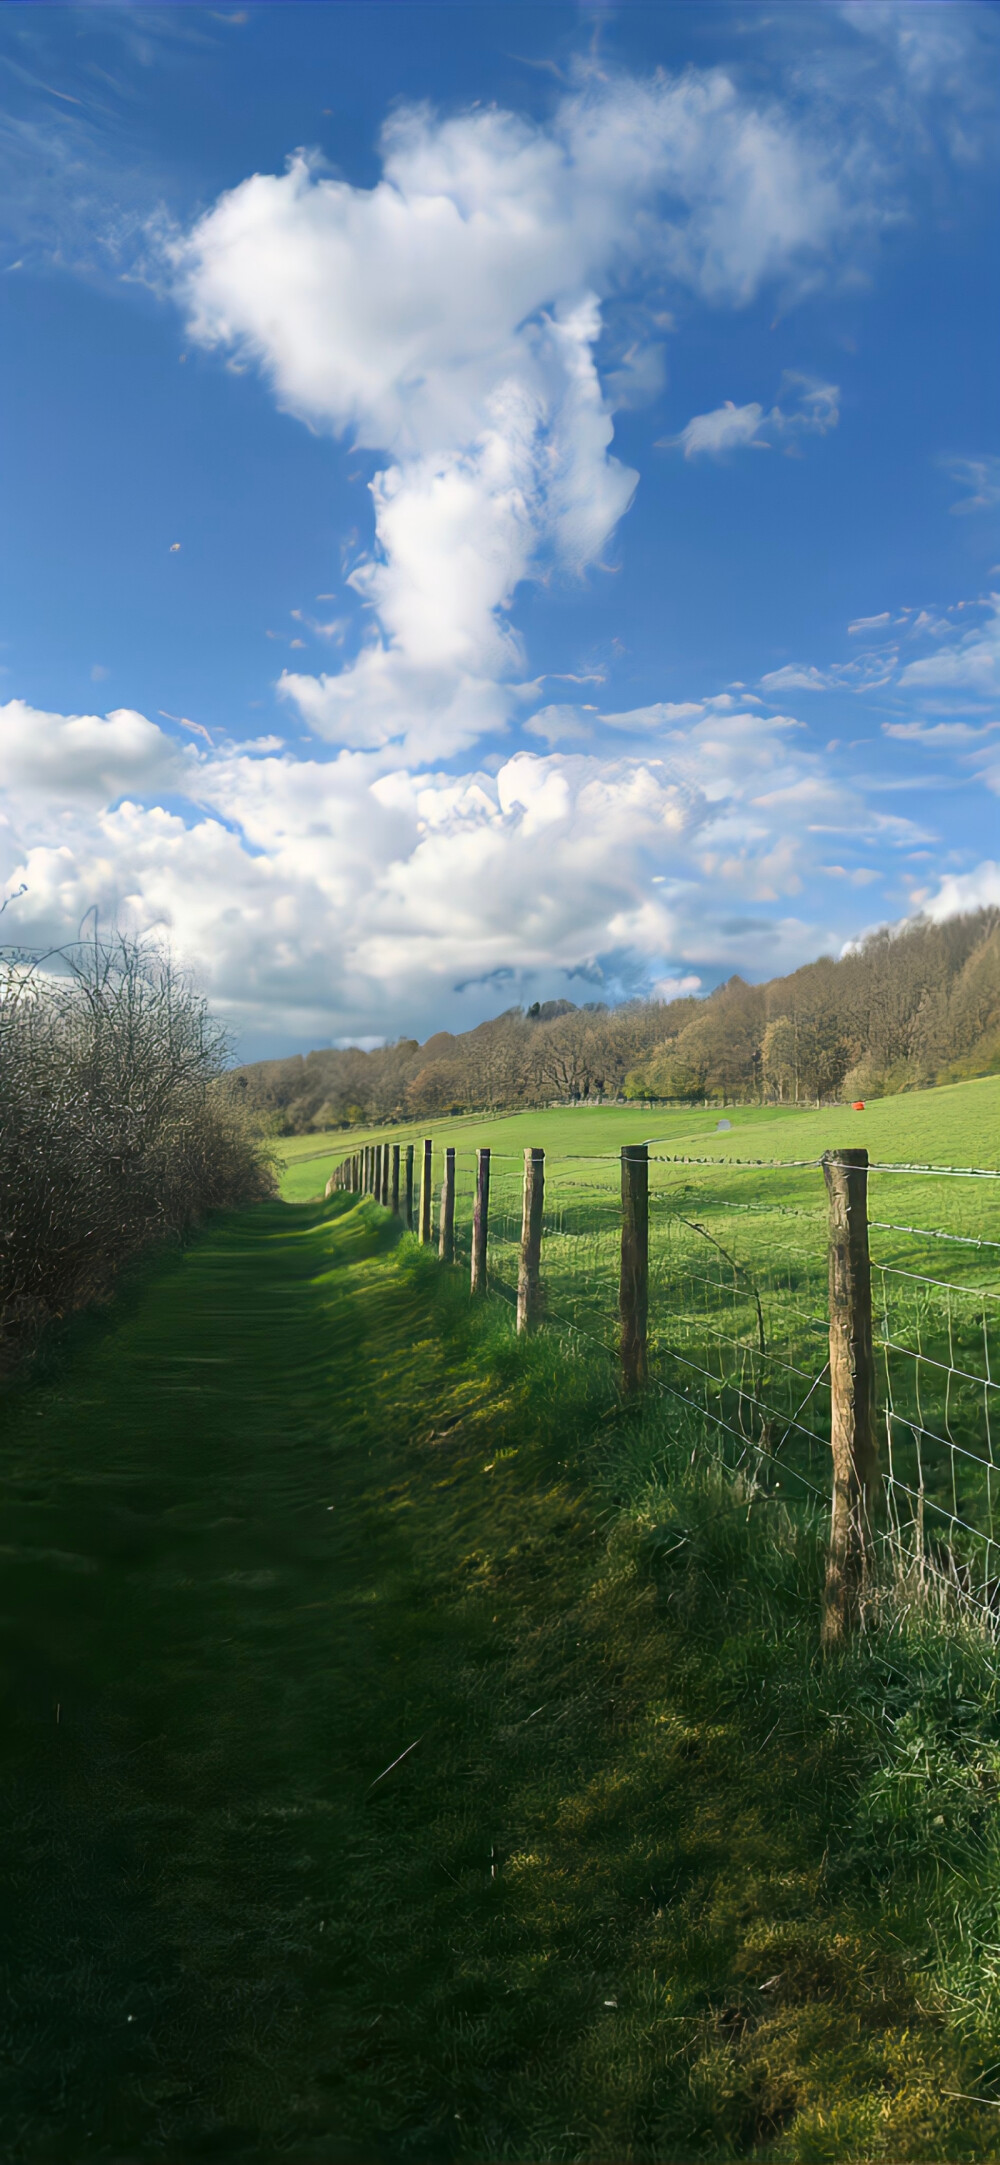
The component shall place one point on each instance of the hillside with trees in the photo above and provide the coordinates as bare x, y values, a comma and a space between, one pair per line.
909, 1007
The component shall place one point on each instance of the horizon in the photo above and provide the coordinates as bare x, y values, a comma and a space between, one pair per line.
501, 512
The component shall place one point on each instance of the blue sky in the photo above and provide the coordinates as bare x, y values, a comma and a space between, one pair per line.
500, 502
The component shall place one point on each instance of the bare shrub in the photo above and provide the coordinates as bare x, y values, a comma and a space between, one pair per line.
118, 1124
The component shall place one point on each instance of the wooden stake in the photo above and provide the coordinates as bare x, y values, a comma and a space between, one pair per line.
394, 1182
853, 1439
446, 1230
425, 1190
383, 1193
409, 1187
529, 1286
480, 1222
633, 1283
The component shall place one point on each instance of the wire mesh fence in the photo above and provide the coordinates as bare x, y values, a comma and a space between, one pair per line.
739, 1320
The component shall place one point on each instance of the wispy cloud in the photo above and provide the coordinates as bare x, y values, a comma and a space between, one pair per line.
812, 409
949, 736
981, 477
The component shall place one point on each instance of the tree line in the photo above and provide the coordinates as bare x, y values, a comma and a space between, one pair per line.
906, 1008
121, 1122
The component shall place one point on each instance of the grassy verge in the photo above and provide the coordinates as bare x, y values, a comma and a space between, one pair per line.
411, 1755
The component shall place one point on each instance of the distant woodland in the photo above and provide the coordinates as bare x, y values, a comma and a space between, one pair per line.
907, 1008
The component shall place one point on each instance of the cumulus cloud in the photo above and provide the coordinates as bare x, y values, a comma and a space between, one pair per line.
448, 318
50, 761
961, 891
334, 896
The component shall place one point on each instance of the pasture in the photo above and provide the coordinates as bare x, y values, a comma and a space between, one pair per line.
738, 1280
956, 1125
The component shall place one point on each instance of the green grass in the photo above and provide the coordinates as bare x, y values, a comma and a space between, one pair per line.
725, 1237
654, 1883
956, 1125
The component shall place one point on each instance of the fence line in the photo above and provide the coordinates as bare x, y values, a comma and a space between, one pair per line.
727, 1318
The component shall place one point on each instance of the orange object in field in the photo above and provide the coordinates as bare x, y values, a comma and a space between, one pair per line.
858, 1105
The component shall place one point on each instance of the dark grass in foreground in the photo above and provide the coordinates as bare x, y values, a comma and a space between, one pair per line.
654, 1882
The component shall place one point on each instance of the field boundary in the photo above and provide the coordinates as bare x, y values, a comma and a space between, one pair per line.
892, 1431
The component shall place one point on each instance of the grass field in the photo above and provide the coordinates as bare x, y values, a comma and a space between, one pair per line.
957, 1125
410, 1754
738, 1268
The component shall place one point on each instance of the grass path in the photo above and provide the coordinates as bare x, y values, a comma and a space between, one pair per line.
290, 1511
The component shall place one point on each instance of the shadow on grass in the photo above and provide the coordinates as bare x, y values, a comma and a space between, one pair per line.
411, 1754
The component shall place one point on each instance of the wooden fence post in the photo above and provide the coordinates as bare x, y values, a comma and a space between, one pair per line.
852, 1393
409, 1187
425, 1189
384, 1188
480, 1222
446, 1231
364, 1170
394, 1183
529, 1287
633, 1283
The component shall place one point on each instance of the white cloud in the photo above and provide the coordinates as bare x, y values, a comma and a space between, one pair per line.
334, 897
960, 676
962, 891
970, 666
53, 760
448, 318
944, 71
795, 677
727, 428
560, 725
949, 736
982, 479
733, 428
675, 988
